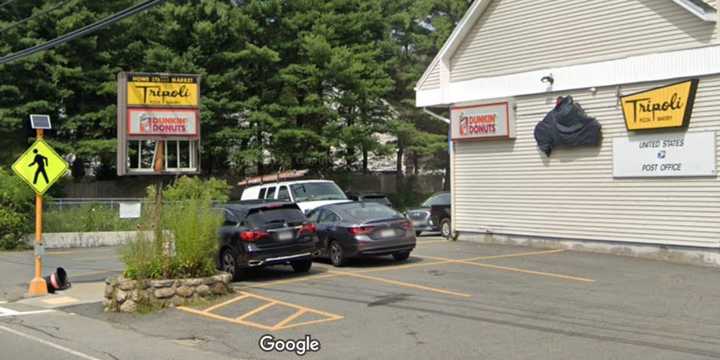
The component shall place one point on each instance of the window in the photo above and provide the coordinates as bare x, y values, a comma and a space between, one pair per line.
315, 215
283, 194
317, 191
329, 217
270, 193
440, 199
262, 193
230, 218
179, 155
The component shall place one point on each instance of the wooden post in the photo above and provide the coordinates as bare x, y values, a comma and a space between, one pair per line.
38, 287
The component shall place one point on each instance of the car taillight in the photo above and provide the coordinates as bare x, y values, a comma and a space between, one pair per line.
253, 235
407, 225
308, 229
361, 230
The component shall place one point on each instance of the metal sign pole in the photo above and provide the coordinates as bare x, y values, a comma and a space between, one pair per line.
38, 287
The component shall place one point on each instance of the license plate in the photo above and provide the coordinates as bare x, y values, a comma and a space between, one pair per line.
285, 235
387, 233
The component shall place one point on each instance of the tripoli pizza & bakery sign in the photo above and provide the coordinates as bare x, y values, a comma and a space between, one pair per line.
482, 121
665, 107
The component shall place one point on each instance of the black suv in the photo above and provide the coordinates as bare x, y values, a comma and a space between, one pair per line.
257, 234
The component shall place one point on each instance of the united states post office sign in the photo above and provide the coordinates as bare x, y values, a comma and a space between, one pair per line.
665, 155
659, 108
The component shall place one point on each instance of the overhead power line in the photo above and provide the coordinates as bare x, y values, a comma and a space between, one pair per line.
37, 14
8, 2
85, 30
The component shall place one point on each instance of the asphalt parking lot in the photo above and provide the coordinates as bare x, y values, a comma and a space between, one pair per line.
460, 300
452, 300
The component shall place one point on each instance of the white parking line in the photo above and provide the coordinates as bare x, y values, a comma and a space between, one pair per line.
52, 345
10, 312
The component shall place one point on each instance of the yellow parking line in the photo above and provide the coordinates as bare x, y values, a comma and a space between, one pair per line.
288, 281
531, 272
290, 318
532, 253
403, 284
337, 317
512, 269
431, 242
255, 311
218, 317
237, 298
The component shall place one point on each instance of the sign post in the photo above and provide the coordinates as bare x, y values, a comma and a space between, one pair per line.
40, 167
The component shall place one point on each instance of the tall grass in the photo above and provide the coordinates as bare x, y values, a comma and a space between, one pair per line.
86, 218
187, 245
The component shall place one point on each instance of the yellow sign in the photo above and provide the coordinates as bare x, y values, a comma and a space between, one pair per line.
40, 166
664, 107
163, 90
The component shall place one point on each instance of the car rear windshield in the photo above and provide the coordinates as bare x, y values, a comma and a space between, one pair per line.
317, 191
366, 212
275, 217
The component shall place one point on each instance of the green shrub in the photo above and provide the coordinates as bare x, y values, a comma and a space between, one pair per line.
16, 205
187, 188
86, 218
13, 226
189, 222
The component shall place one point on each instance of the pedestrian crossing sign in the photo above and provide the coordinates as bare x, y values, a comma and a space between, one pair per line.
40, 166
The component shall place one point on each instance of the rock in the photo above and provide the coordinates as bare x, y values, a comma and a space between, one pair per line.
138, 295
109, 289
106, 303
164, 293
225, 278
126, 284
202, 290
120, 296
128, 306
192, 282
208, 280
184, 291
177, 300
161, 283
219, 289
111, 281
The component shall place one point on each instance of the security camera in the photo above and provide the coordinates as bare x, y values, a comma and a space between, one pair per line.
548, 79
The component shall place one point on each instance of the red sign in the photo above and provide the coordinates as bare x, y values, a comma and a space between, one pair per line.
163, 122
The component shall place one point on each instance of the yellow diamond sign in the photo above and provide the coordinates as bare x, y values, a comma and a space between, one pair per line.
40, 166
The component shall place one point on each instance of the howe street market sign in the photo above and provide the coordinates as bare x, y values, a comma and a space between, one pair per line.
40, 166
664, 107
665, 155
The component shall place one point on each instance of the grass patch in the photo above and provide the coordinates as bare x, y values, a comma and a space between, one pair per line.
86, 218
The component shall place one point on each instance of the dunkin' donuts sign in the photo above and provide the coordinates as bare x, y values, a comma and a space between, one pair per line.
163, 122
482, 121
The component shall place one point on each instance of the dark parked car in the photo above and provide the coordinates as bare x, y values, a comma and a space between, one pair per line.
257, 234
362, 229
432, 215
379, 198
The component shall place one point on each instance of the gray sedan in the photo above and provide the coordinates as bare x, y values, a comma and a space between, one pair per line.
359, 229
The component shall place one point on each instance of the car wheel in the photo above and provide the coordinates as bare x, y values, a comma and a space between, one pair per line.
417, 233
337, 255
229, 263
401, 256
301, 266
445, 228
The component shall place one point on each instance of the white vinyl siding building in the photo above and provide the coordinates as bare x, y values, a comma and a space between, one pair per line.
508, 191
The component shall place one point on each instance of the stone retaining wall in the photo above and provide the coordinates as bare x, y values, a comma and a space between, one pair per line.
124, 295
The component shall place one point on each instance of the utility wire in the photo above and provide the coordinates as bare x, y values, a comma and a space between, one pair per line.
85, 30
40, 13
7, 2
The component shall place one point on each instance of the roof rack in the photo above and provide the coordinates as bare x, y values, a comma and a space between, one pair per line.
277, 177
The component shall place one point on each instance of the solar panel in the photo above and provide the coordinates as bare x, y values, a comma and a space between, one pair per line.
40, 121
